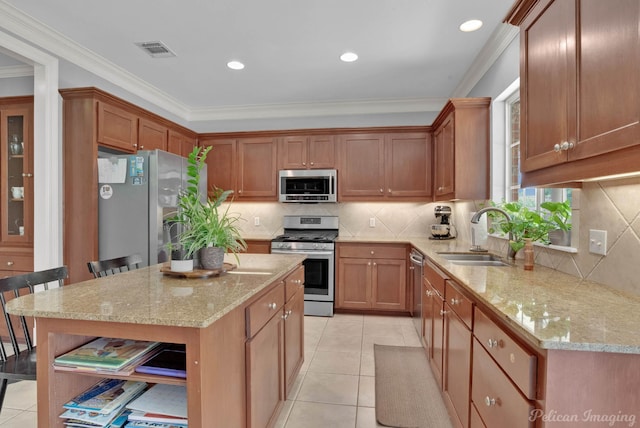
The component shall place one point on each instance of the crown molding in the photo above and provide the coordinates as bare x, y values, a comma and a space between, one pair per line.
10, 71
410, 105
500, 39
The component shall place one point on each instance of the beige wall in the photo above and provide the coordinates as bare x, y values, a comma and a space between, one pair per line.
613, 206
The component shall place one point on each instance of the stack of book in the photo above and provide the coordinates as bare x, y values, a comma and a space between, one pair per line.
107, 356
161, 406
102, 405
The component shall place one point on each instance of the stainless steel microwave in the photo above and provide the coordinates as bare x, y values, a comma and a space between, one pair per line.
308, 185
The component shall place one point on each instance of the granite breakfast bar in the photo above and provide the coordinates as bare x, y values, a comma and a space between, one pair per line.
211, 316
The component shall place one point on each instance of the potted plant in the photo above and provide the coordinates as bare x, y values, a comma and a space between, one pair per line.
559, 214
523, 224
208, 230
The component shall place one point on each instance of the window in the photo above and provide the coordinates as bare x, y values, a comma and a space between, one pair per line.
530, 197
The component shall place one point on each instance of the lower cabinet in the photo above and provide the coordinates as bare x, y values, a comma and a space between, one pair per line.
274, 348
372, 277
258, 246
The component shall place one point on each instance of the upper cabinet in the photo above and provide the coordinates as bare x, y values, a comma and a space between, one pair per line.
151, 135
580, 116
180, 143
16, 172
245, 165
307, 152
378, 166
117, 128
461, 160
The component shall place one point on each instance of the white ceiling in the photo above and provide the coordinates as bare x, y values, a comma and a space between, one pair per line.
412, 55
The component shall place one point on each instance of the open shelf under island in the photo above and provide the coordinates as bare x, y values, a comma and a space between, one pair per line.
222, 321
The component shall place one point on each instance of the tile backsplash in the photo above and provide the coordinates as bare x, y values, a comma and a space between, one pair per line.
613, 206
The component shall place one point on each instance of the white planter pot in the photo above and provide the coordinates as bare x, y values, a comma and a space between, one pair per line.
182, 265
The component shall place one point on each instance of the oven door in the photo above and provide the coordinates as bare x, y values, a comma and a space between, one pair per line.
319, 268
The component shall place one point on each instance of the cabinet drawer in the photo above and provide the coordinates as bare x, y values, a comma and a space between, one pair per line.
261, 311
435, 277
293, 283
497, 400
20, 263
374, 251
459, 303
515, 360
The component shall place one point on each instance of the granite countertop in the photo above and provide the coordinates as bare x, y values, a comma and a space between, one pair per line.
147, 296
553, 310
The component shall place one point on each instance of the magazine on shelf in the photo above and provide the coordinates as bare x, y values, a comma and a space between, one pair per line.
93, 419
147, 424
107, 396
105, 353
157, 418
119, 422
170, 400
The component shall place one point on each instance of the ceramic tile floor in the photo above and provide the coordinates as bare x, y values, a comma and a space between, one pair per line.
335, 387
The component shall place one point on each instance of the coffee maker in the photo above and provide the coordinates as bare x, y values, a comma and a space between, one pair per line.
442, 230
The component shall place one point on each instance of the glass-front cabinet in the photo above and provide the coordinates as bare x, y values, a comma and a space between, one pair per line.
16, 172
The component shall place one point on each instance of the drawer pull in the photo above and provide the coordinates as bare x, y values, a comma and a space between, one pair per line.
273, 305
286, 314
455, 301
492, 343
489, 401
442, 312
429, 293
9, 263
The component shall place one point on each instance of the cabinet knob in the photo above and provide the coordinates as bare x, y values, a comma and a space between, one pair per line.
272, 305
429, 293
304, 163
381, 190
489, 401
443, 312
564, 146
135, 145
27, 174
9, 263
311, 163
372, 252
240, 191
440, 189
492, 343
375, 264
389, 190
455, 301
369, 264
411, 268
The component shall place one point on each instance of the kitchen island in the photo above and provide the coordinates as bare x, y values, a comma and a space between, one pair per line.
212, 317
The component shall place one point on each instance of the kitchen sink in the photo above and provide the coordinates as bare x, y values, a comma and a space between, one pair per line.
474, 259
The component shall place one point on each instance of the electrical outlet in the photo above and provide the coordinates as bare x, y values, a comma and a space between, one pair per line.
598, 242
372, 222
256, 221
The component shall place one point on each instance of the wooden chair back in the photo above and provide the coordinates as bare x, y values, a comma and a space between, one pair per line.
102, 268
19, 362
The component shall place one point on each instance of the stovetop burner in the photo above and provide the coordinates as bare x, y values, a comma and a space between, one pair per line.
307, 236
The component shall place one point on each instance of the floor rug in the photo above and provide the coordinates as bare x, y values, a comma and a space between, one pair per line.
407, 395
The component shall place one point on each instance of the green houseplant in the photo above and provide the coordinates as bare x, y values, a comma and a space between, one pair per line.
523, 224
559, 214
206, 226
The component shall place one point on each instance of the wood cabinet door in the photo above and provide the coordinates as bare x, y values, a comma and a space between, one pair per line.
151, 136
353, 288
258, 246
293, 152
265, 374
362, 167
117, 128
389, 284
457, 368
180, 144
427, 317
444, 159
221, 164
322, 152
437, 349
294, 339
408, 165
257, 169
609, 112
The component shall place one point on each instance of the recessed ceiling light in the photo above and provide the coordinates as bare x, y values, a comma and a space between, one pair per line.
471, 25
235, 65
349, 57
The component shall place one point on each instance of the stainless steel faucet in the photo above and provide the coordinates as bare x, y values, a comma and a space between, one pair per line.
476, 218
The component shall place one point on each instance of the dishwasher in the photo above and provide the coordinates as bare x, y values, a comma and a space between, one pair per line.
417, 263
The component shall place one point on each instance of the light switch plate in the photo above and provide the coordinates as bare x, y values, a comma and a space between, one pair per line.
372, 222
598, 242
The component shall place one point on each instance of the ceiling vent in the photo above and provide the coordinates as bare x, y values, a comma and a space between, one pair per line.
156, 49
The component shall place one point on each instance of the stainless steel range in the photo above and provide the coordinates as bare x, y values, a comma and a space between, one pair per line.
313, 236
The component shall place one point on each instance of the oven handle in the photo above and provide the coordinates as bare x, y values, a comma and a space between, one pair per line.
311, 253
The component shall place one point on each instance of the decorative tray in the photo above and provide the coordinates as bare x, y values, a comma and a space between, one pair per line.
198, 273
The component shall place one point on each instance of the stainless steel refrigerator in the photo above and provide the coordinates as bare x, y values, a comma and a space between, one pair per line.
138, 194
